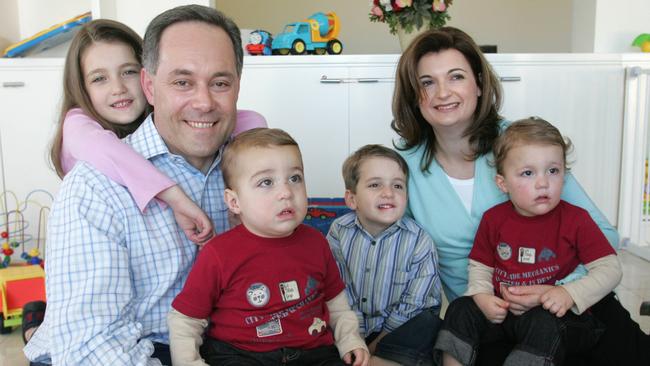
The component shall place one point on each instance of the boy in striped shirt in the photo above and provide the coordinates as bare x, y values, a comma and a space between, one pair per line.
387, 261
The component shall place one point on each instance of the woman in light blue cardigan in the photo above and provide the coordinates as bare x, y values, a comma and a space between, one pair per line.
445, 108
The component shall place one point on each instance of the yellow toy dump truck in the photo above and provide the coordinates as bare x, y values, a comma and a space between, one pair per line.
317, 34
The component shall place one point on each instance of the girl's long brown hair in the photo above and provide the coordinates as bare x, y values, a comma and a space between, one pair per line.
75, 94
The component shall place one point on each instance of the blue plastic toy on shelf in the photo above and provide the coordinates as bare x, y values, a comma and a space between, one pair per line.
48, 38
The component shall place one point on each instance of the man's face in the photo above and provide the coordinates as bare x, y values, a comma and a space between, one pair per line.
194, 91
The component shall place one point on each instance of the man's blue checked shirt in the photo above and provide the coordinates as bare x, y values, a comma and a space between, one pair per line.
112, 271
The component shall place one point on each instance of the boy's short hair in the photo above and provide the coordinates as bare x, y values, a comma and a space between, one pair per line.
353, 163
254, 138
531, 130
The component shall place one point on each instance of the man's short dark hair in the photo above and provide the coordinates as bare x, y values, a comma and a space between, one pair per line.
188, 13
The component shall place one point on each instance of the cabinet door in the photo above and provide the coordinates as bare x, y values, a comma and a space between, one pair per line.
585, 102
371, 95
30, 100
311, 104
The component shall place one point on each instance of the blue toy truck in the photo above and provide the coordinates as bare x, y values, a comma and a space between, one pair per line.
317, 34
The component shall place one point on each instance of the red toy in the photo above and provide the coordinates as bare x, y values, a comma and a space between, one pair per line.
19, 285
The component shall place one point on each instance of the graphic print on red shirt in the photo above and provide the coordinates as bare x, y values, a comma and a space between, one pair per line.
537, 250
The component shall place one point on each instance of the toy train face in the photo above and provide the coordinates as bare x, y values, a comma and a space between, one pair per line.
259, 43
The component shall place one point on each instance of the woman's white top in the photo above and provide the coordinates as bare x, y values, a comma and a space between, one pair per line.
465, 190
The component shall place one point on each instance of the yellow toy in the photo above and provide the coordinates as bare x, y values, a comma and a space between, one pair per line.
642, 41
19, 285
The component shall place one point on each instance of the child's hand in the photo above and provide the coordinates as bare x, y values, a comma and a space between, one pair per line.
495, 309
361, 357
523, 298
190, 217
557, 300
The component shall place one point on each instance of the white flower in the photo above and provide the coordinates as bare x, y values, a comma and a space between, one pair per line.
386, 4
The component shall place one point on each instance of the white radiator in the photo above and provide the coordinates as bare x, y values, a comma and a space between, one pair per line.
634, 200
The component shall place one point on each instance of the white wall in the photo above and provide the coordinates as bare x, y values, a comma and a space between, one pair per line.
618, 23
137, 14
9, 31
516, 26
20, 19
37, 15
358, 34
513, 25
584, 26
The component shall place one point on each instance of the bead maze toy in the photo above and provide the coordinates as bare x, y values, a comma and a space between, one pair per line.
21, 281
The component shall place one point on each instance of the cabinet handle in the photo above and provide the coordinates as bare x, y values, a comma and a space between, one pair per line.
325, 80
13, 84
367, 80
504, 79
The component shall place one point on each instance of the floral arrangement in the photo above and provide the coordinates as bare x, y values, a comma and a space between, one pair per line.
410, 15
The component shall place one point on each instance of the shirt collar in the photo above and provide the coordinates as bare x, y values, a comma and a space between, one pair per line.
146, 140
399, 224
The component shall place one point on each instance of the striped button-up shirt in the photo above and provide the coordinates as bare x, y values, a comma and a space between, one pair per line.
390, 278
112, 271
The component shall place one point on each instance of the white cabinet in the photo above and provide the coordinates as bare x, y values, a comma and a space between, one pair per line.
370, 114
30, 93
331, 105
582, 95
334, 104
293, 98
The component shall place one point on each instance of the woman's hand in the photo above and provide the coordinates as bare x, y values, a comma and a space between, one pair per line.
524, 298
495, 309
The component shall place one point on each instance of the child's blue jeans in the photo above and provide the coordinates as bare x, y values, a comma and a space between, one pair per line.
412, 343
216, 352
540, 337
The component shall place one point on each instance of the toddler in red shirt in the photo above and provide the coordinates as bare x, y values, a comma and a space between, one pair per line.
535, 238
269, 287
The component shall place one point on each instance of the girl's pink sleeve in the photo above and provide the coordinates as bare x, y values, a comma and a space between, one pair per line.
247, 120
84, 139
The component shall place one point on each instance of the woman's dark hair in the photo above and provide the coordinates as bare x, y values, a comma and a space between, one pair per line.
408, 121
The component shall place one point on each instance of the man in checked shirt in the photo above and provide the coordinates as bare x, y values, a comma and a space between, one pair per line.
112, 269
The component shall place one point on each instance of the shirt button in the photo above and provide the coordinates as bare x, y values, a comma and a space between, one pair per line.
367, 270
373, 242
364, 299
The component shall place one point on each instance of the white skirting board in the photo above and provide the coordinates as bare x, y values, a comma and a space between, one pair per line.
640, 248
639, 251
